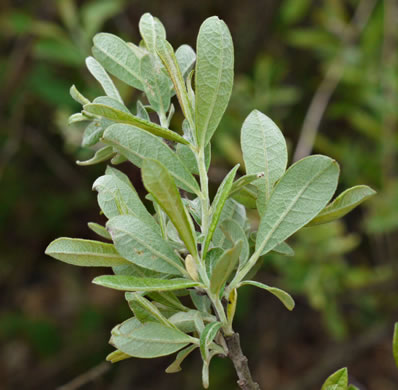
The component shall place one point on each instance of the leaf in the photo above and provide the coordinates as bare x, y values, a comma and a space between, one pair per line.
176, 365
118, 59
186, 58
145, 310
140, 244
343, 204
244, 181
132, 283
201, 302
227, 234
151, 30
85, 253
300, 194
100, 155
187, 321
213, 77
116, 197
337, 381
103, 78
247, 196
166, 53
148, 340
231, 305
217, 206
186, 155
264, 150
224, 268
94, 131
76, 118
77, 96
234, 210
119, 116
156, 84
207, 337
117, 356
160, 184
283, 296
100, 230
137, 146
142, 112
395, 344
284, 249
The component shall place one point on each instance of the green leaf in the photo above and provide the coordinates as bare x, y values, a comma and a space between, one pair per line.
176, 365
207, 337
284, 249
151, 30
132, 283
264, 150
76, 118
117, 356
244, 181
186, 58
100, 155
169, 299
201, 302
187, 321
352, 387
103, 78
77, 96
93, 132
234, 210
224, 268
283, 296
119, 116
227, 234
148, 340
137, 146
156, 83
395, 344
185, 153
217, 206
143, 246
142, 112
118, 59
160, 184
145, 310
115, 197
166, 53
337, 381
247, 196
213, 77
300, 194
85, 253
100, 230
343, 204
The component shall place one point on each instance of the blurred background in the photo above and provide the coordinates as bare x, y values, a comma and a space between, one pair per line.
326, 71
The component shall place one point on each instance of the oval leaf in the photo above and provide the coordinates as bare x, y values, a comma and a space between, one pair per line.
337, 381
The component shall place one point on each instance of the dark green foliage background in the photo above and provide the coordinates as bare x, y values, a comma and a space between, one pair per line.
54, 324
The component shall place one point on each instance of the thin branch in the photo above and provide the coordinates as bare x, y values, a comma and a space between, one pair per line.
240, 362
331, 80
87, 377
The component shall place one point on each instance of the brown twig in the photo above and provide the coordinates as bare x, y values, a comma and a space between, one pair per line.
332, 78
87, 377
240, 362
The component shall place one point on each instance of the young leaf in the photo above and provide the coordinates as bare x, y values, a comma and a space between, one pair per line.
213, 77
77, 96
137, 146
395, 344
100, 155
151, 30
85, 253
119, 116
343, 204
244, 181
131, 283
176, 365
207, 337
186, 58
187, 321
160, 184
283, 296
76, 118
115, 197
284, 249
201, 302
337, 381
166, 54
118, 59
217, 206
264, 150
148, 340
117, 356
142, 112
156, 83
100, 230
103, 78
93, 132
300, 194
224, 267
231, 305
140, 244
